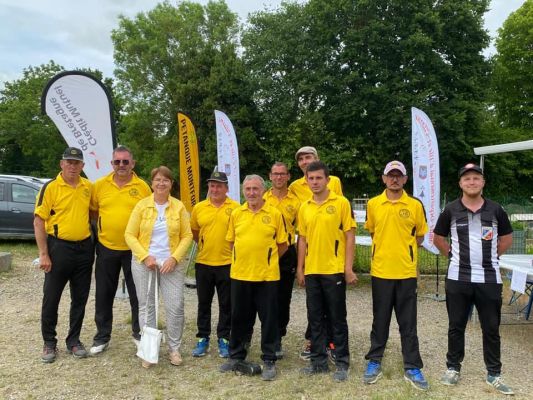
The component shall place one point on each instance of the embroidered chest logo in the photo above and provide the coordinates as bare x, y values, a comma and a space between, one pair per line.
331, 209
404, 213
290, 209
86, 192
266, 219
487, 232
134, 192
228, 211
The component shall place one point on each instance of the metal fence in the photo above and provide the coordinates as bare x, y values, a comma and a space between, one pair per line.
521, 218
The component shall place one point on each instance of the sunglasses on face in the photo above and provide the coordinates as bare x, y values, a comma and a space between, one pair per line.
118, 162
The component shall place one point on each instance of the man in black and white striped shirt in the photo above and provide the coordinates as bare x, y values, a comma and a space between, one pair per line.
480, 232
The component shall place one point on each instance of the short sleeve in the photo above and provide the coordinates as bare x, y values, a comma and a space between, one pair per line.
442, 227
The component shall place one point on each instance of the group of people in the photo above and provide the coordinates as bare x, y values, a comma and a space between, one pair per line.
251, 254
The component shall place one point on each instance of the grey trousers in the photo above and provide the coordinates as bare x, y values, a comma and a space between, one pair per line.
171, 286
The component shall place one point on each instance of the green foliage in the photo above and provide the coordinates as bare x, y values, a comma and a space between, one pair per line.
355, 69
29, 141
182, 58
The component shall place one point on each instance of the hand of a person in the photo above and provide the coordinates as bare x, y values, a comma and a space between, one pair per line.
350, 277
150, 262
45, 263
169, 265
300, 277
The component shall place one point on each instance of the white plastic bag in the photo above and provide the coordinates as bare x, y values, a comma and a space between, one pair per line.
148, 349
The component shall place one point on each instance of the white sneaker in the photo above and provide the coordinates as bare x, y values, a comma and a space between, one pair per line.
98, 349
137, 343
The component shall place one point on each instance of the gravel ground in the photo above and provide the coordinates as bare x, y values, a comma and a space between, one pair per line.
116, 374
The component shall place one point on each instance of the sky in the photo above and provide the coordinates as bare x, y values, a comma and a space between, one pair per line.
76, 33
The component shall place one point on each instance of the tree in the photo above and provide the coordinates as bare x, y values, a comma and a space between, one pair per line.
29, 141
513, 70
182, 58
347, 73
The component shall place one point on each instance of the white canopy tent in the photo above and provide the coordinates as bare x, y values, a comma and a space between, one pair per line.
501, 148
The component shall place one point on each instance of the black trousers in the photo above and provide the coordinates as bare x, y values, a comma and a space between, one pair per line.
287, 267
326, 295
249, 299
398, 295
487, 297
107, 273
72, 262
209, 278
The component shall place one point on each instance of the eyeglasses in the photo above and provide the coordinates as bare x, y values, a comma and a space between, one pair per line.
118, 162
278, 174
392, 177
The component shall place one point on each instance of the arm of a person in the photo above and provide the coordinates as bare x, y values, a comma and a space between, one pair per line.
40, 237
349, 254
300, 275
132, 233
419, 240
504, 242
442, 244
186, 236
282, 248
195, 235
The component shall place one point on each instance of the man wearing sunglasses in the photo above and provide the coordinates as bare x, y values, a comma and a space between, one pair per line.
112, 201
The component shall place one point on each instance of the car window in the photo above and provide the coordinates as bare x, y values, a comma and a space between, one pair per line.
2, 191
23, 194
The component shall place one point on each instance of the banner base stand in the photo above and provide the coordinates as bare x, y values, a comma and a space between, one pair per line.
190, 283
436, 297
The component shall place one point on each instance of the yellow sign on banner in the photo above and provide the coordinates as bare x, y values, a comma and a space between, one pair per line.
189, 162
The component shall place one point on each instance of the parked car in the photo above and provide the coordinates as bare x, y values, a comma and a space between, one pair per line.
17, 202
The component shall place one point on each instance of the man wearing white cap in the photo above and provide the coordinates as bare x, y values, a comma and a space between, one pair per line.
397, 224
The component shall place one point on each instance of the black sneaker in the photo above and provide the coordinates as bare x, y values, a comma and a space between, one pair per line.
229, 365
340, 375
269, 371
243, 367
49, 354
78, 350
313, 369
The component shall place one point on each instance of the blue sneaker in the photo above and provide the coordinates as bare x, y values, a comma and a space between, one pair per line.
201, 347
415, 377
373, 372
223, 348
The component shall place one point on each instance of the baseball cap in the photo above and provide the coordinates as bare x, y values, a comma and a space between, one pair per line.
218, 177
470, 167
392, 165
73, 153
306, 150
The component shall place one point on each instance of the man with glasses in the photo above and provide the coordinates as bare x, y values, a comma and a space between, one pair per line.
112, 201
288, 204
397, 224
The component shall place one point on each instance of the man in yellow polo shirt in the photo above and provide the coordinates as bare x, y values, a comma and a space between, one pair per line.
114, 197
288, 204
258, 237
66, 251
209, 225
397, 224
304, 156
326, 247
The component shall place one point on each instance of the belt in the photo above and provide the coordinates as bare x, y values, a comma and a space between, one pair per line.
78, 242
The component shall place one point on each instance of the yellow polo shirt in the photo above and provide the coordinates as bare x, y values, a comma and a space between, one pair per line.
65, 209
323, 226
395, 226
288, 206
212, 223
114, 206
255, 237
301, 190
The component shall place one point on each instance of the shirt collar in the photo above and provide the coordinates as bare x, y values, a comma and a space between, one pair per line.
384, 199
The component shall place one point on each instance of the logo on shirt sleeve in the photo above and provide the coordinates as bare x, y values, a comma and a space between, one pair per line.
487, 232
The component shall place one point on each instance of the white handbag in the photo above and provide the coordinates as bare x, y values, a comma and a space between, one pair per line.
148, 349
